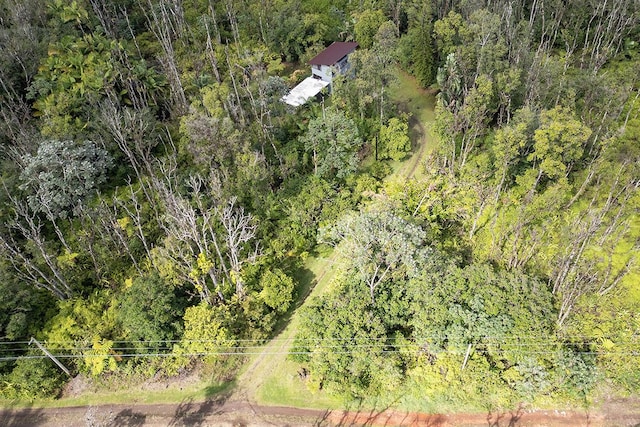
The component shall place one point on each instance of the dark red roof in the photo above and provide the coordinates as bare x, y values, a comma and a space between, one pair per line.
334, 53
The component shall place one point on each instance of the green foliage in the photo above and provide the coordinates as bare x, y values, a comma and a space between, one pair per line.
522, 236
450, 32
366, 91
33, 378
277, 290
81, 71
418, 314
310, 202
493, 311
150, 312
23, 37
206, 332
342, 341
85, 328
416, 47
62, 175
612, 323
23, 310
379, 244
352, 338
299, 30
366, 26
99, 357
558, 142
394, 140
333, 141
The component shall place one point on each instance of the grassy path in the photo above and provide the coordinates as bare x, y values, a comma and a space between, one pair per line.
419, 104
270, 378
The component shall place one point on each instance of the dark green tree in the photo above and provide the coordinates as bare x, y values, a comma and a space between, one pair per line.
150, 312
333, 142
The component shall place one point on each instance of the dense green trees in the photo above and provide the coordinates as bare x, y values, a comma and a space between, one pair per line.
431, 321
517, 182
155, 186
394, 142
160, 321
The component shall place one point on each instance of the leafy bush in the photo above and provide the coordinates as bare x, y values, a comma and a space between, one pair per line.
33, 379
63, 174
150, 312
277, 290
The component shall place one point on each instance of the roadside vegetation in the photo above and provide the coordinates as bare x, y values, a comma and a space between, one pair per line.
456, 226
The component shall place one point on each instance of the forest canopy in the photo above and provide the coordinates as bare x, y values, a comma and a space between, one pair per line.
157, 194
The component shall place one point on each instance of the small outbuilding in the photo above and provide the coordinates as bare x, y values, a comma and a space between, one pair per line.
324, 66
308, 88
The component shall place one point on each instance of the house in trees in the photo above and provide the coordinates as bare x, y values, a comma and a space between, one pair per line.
330, 62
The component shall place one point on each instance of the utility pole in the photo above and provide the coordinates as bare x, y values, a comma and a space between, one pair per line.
466, 357
51, 356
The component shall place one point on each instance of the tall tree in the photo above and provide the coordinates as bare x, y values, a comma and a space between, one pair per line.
379, 245
333, 141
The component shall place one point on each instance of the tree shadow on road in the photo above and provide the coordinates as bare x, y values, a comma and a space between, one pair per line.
22, 417
193, 414
505, 418
378, 416
128, 418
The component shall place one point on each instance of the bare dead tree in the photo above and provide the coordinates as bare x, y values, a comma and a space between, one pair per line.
15, 113
101, 227
240, 230
106, 16
602, 225
132, 206
237, 111
166, 22
133, 131
26, 229
192, 242
233, 21
211, 53
609, 23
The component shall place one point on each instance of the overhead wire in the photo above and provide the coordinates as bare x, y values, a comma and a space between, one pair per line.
324, 346
534, 338
518, 344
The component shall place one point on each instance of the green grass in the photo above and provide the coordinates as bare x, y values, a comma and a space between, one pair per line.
412, 98
420, 104
196, 392
271, 378
284, 387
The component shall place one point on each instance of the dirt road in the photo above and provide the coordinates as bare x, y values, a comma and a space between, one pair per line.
220, 412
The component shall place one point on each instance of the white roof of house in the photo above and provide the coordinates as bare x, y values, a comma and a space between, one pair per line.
308, 88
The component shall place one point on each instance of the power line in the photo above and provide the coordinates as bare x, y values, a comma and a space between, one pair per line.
515, 345
319, 343
531, 338
236, 352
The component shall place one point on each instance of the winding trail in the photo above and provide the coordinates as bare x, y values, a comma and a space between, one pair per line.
263, 367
